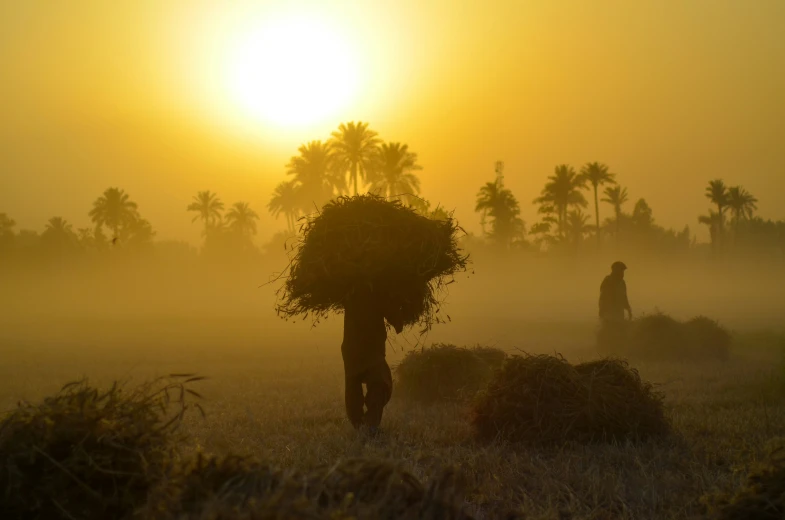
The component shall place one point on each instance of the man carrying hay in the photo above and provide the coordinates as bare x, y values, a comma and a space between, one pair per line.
372, 259
364, 358
613, 304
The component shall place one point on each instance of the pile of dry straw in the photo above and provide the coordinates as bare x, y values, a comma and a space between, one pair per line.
658, 336
93, 454
446, 372
543, 399
369, 242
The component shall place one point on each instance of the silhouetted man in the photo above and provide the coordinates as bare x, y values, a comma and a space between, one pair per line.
364, 359
613, 303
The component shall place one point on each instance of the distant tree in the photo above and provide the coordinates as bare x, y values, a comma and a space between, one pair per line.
58, 234
542, 232
139, 234
577, 226
286, 201
501, 205
7, 225
616, 196
115, 210
355, 146
316, 174
207, 207
642, 215
561, 192
391, 173
741, 203
717, 193
597, 175
241, 220
712, 220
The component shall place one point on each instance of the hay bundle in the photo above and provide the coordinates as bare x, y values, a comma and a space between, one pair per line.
660, 337
86, 453
371, 243
446, 372
543, 399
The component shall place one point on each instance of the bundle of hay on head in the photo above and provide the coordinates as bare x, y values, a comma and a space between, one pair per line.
446, 372
366, 242
544, 400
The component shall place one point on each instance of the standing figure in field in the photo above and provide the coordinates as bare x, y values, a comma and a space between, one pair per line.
613, 304
364, 357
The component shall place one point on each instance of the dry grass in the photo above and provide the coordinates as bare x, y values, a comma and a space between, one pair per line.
288, 411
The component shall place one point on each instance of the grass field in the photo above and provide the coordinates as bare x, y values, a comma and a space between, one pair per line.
285, 405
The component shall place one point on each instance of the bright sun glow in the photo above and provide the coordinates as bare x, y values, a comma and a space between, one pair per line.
292, 72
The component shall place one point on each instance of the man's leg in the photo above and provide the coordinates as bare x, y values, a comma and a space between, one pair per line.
354, 399
379, 382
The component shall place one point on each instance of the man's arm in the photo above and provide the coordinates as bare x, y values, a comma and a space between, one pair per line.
627, 302
394, 317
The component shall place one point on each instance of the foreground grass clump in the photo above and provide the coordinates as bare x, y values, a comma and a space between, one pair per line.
658, 336
543, 399
85, 453
239, 488
763, 496
93, 454
446, 372
369, 242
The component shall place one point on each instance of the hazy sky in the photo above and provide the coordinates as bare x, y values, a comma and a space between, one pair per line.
137, 94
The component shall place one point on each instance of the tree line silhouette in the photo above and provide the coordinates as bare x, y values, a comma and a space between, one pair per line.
355, 159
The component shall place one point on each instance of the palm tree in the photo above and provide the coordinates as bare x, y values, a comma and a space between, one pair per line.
616, 196
314, 169
208, 208
561, 192
741, 203
6, 225
501, 205
577, 225
392, 172
355, 146
713, 220
717, 193
114, 209
285, 199
58, 232
241, 219
140, 233
597, 175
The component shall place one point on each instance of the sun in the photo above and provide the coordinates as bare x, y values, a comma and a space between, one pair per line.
292, 72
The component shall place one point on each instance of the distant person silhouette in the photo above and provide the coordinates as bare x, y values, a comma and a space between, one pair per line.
364, 358
613, 303
613, 295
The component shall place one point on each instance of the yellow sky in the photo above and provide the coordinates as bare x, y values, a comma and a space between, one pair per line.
132, 94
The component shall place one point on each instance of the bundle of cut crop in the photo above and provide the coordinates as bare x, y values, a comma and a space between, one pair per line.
366, 243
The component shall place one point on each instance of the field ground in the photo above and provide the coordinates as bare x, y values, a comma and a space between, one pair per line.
285, 405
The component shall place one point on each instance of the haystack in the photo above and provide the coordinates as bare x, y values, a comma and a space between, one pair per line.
370, 243
660, 337
446, 372
86, 453
543, 399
